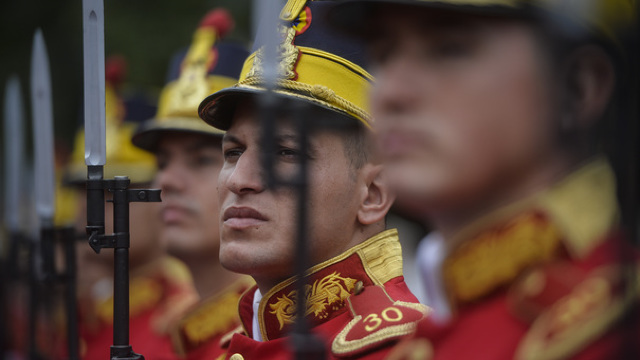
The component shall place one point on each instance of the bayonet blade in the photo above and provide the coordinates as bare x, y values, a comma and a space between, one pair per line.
270, 11
13, 153
94, 100
42, 131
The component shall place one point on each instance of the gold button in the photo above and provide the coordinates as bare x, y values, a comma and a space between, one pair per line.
534, 284
236, 356
358, 288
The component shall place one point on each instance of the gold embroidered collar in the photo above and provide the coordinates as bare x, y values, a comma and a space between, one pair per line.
329, 284
571, 216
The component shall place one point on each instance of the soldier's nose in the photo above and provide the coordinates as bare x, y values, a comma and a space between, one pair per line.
170, 178
393, 92
247, 175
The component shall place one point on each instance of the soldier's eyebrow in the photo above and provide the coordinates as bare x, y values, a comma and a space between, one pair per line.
294, 140
199, 145
287, 137
227, 138
448, 23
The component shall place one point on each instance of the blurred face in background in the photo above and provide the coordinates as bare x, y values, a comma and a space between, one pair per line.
188, 167
464, 107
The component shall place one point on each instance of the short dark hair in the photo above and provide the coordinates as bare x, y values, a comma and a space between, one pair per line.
356, 138
357, 146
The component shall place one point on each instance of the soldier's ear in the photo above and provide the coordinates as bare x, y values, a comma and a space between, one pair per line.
376, 196
590, 84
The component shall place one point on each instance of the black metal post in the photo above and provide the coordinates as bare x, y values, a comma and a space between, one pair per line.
95, 201
305, 345
69, 241
119, 241
121, 348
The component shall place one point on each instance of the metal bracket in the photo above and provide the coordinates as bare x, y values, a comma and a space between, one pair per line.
101, 241
97, 239
143, 195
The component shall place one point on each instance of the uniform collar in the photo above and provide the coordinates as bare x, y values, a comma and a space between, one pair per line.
210, 318
373, 262
570, 217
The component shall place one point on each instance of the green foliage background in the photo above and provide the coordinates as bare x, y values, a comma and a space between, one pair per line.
145, 32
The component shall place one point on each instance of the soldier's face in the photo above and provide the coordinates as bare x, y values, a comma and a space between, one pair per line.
259, 225
464, 108
188, 167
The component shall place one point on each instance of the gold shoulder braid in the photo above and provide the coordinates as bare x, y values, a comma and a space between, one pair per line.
212, 318
144, 294
498, 255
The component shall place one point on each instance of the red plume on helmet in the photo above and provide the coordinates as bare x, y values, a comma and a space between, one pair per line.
115, 70
218, 19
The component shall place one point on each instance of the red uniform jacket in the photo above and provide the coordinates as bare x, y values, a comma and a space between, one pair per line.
357, 304
543, 279
159, 294
198, 333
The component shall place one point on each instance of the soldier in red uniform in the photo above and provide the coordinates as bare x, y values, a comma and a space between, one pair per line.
189, 158
357, 303
161, 288
490, 116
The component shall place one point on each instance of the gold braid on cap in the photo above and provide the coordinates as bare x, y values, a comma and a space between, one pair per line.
320, 92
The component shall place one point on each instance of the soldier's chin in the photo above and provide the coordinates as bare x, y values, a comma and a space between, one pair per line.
254, 262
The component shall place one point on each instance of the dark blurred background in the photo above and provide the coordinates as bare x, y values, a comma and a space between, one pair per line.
145, 32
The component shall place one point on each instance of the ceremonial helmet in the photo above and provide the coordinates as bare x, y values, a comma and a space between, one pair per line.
316, 65
123, 116
207, 66
605, 19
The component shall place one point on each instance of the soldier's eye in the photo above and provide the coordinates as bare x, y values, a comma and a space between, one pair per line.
205, 160
231, 154
452, 48
161, 163
289, 154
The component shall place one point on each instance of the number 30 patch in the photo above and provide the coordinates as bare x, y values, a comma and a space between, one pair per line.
390, 314
377, 319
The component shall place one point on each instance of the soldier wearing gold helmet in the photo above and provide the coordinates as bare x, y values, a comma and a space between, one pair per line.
490, 116
357, 303
189, 157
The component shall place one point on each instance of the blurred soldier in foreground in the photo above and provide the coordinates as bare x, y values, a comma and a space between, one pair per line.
356, 300
189, 157
160, 286
491, 117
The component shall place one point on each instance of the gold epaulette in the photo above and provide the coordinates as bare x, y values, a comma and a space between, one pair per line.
498, 255
211, 319
144, 294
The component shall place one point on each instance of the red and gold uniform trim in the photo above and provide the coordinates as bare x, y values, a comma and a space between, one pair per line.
581, 316
210, 319
496, 249
497, 256
372, 262
545, 272
376, 319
